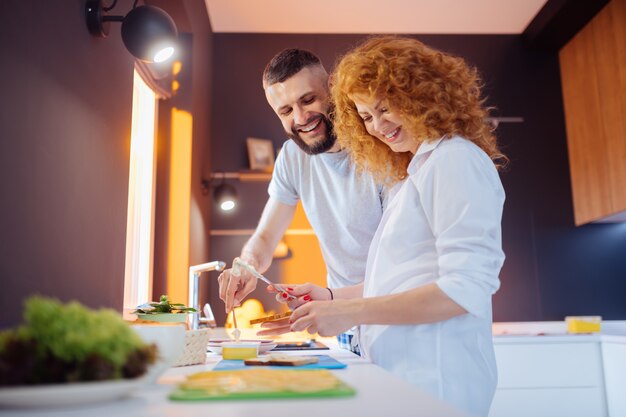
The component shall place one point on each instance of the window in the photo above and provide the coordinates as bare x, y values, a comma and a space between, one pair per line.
141, 186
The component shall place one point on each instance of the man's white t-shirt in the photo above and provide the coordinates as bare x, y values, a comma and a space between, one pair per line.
343, 207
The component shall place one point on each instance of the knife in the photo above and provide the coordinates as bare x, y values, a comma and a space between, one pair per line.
238, 263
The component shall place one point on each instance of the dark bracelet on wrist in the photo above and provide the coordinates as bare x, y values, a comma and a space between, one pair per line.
331, 293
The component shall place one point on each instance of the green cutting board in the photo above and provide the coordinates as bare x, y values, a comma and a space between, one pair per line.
181, 394
199, 395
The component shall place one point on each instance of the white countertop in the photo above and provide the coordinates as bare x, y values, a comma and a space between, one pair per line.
379, 393
612, 331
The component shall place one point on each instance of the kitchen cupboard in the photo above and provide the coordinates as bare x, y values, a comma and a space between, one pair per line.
558, 378
614, 356
593, 77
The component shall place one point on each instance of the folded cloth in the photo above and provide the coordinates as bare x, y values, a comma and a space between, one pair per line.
348, 341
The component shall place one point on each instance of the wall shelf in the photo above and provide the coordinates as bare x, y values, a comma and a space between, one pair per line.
249, 232
246, 176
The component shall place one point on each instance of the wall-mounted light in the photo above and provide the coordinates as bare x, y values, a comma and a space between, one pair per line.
224, 194
148, 32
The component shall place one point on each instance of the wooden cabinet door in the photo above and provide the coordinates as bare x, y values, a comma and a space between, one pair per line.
593, 76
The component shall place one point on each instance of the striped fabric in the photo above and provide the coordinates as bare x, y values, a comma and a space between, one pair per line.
348, 341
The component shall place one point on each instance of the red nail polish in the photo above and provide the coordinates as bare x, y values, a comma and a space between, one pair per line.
307, 298
284, 295
290, 289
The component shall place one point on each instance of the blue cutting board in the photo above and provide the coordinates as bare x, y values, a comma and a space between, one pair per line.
324, 362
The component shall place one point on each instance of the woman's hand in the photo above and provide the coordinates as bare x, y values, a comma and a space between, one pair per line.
327, 318
303, 293
275, 328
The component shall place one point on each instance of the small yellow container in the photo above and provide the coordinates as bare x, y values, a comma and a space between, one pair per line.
583, 324
240, 350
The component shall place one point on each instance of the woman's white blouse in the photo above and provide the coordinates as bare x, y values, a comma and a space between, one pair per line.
442, 224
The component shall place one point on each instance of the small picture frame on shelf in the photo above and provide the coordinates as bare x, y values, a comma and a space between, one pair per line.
260, 154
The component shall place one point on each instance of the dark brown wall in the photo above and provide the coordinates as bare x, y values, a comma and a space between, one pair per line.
65, 120
65, 124
194, 96
552, 268
202, 76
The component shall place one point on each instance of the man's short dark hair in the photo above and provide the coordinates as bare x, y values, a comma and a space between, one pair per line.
288, 62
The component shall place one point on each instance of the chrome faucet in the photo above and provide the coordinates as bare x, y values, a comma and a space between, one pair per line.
194, 274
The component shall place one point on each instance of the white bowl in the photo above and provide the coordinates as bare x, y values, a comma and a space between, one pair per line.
165, 317
170, 341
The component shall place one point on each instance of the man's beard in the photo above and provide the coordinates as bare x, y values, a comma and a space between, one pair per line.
320, 146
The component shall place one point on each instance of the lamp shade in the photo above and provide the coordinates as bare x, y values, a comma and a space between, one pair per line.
225, 196
149, 33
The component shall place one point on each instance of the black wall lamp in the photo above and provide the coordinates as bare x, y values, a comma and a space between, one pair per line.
224, 194
148, 32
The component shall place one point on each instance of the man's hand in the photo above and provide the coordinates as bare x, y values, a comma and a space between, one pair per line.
233, 289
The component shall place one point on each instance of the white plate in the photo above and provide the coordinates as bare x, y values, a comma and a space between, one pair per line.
261, 341
217, 347
59, 395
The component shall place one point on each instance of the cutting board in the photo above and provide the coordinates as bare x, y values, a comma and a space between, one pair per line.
309, 345
223, 385
325, 362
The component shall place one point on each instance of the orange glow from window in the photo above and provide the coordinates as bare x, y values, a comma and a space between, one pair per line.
179, 206
176, 67
307, 263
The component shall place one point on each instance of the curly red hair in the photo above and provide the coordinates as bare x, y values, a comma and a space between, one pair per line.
436, 93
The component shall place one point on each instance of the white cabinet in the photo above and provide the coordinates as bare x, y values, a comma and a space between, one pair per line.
614, 355
548, 402
549, 379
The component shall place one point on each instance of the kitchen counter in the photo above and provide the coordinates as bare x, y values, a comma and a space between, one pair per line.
379, 393
544, 371
555, 332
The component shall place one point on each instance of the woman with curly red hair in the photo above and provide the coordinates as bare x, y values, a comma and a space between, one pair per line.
413, 117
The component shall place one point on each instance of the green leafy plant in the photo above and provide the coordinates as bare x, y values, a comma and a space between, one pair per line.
163, 307
70, 343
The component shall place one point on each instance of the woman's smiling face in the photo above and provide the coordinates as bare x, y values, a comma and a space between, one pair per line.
384, 123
